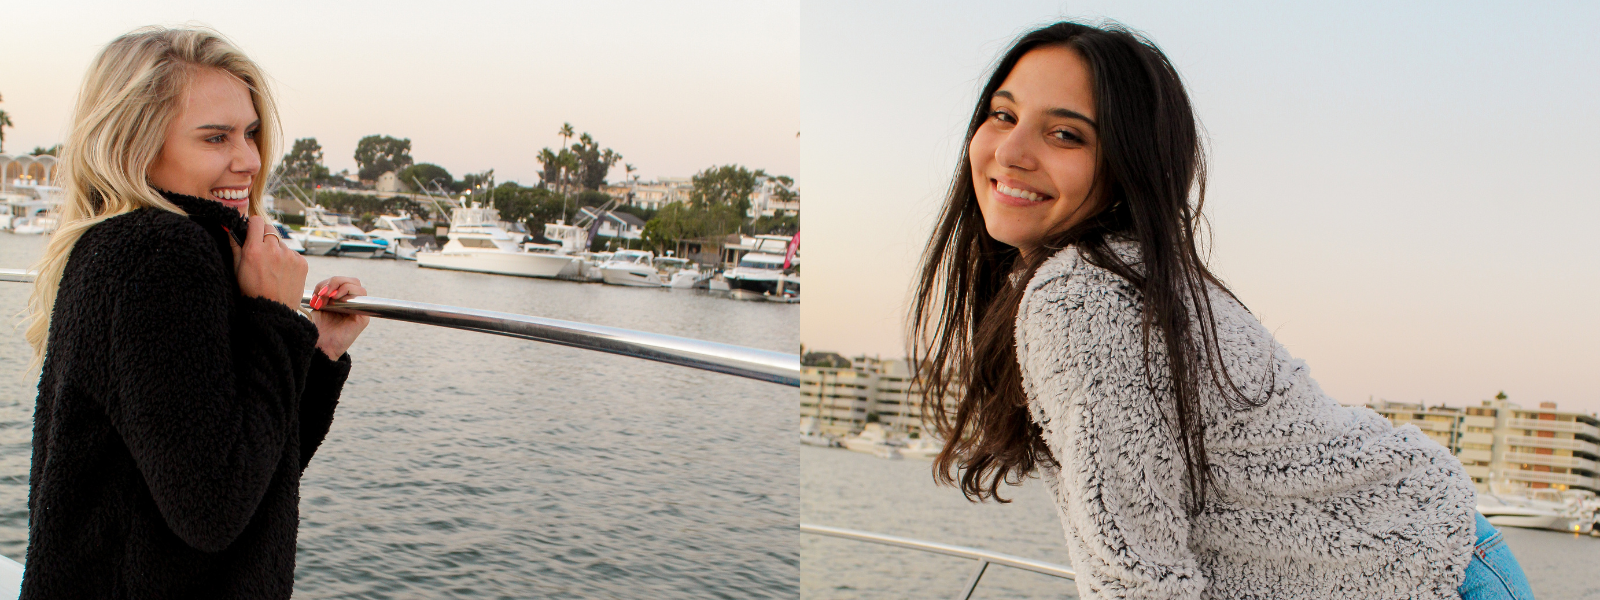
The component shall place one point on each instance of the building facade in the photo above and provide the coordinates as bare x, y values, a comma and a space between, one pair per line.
1505, 447
841, 400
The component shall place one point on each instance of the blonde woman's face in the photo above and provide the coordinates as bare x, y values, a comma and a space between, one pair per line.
210, 149
1033, 158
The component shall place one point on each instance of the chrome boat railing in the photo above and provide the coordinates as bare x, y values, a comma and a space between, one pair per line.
984, 557
764, 365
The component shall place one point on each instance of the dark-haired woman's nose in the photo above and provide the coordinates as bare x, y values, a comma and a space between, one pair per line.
1015, 152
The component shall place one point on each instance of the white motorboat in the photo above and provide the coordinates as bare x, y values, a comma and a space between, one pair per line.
353, 245
811, 434
398, 233
315, 245
353, 242
631, 268
479, 243
287, 237
1539, 509
681, 273
761, 276
30, 209
874, 440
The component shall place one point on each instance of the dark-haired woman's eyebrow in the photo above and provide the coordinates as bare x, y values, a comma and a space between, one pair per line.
1054, 112
1072, 114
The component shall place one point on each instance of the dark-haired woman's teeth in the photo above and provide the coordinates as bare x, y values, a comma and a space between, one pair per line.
1016, 193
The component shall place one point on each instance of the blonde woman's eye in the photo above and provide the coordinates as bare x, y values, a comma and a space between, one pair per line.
250, 135
217, 139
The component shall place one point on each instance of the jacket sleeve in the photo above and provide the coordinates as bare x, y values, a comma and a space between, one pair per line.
1119, 488
203, 397
323, 384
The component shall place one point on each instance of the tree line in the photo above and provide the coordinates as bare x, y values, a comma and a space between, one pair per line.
570, 178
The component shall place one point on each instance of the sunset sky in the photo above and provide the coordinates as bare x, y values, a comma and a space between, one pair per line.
475, 85
1406, 194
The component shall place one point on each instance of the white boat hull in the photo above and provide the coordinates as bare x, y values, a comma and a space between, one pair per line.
521, 264
1529, 517
687, 280
318, 246
631, 277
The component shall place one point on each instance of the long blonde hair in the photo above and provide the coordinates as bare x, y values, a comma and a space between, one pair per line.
130, 94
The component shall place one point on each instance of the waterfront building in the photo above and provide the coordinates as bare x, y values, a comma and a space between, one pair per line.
1505, 447
26, 170
652, 195
614, 224
773, 198
841, 395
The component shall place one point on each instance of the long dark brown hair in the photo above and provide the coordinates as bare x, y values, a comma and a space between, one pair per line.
1149, 189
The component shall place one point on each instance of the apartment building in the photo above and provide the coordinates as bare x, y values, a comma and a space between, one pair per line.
842, 398
1510, 447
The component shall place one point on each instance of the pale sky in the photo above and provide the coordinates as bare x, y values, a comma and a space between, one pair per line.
1406, 193
673, 87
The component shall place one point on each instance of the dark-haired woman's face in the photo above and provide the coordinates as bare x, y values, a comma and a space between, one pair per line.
1033, 159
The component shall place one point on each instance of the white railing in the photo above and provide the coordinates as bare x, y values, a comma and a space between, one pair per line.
765, 365
984, 557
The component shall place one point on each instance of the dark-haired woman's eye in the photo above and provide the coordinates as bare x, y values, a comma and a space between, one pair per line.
1068, 136
1002, 116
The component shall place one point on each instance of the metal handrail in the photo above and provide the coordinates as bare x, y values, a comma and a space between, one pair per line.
763, 365
984, 557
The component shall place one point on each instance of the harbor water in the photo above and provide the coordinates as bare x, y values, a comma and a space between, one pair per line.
463, 465
898, 497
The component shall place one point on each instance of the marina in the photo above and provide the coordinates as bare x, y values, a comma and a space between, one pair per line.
470, 464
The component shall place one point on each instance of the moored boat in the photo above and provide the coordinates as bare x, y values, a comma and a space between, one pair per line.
478, 243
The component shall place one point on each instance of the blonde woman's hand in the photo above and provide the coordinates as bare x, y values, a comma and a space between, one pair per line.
337, 331
266, 268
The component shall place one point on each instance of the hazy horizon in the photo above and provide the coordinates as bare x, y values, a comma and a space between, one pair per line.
477, 86
1405, 194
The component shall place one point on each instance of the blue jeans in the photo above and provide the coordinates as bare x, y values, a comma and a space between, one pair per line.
1493, 573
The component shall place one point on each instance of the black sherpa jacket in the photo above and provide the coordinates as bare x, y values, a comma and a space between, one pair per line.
174, 419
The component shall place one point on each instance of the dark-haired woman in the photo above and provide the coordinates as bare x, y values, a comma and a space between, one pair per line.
1189, 455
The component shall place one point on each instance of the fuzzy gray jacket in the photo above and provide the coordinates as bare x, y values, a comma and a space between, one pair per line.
1312, 499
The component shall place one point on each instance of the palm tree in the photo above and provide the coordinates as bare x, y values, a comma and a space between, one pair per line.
552, 168
5, 121
566, 134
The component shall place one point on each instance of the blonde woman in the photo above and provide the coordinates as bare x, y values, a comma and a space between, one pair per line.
181, 395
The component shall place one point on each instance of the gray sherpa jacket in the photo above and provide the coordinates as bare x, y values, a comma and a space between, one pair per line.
1313, 499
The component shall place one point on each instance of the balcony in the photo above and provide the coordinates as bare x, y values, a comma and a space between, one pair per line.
1477, 438
1551, 478
1544, 442
1430, 426
1483, 455
1571, 462
1563, 426
1476, 421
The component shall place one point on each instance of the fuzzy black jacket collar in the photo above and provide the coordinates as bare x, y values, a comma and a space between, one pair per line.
210, 214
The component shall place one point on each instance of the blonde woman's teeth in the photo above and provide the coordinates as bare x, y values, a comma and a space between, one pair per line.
1014, 192
227, 194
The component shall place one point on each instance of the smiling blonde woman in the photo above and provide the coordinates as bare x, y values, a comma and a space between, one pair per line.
182, 394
